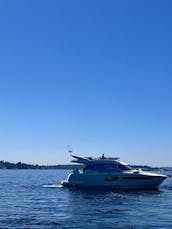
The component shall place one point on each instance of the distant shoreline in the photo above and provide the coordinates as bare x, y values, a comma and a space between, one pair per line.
20, 165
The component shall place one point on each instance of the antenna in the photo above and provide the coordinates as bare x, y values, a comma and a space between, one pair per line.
69, 149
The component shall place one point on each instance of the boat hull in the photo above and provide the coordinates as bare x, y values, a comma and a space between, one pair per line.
141, 181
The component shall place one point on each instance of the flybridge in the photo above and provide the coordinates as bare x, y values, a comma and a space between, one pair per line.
90, 160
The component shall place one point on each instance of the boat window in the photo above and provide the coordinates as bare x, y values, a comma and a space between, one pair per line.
107, 167
138, 178
85, 168
111, 178
101, 167
124, 167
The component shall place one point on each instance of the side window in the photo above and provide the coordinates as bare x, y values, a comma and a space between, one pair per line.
111, 178
123, 167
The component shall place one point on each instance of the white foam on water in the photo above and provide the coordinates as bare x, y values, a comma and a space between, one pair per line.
53, 186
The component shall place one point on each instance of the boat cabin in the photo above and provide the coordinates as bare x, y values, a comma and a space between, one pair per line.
107, 167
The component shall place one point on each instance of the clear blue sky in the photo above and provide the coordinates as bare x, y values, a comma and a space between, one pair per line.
94, 74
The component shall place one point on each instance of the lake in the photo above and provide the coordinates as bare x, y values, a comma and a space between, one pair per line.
28, 200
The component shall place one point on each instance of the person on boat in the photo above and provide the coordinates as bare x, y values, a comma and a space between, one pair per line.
103, 156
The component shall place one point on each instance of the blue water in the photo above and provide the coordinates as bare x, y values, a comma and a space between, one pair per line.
25, 202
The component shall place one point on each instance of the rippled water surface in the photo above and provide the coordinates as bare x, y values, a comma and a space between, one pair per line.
28, 201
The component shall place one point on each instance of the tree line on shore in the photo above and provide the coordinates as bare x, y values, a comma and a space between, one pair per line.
20, 165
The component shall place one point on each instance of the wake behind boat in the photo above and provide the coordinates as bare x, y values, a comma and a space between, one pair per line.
108, 172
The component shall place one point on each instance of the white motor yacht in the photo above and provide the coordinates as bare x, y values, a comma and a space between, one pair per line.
110, 173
